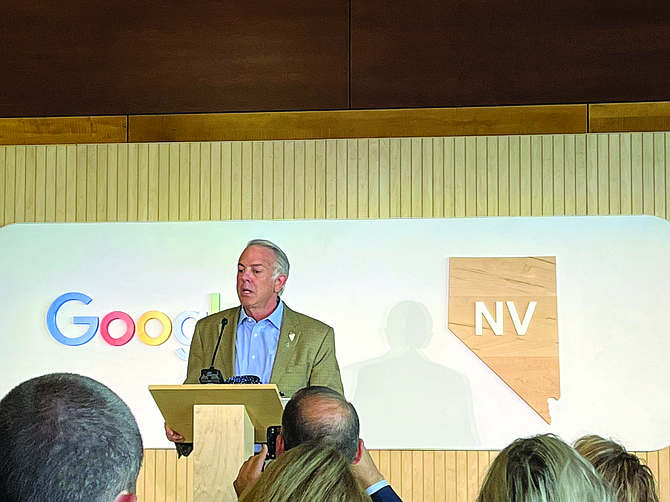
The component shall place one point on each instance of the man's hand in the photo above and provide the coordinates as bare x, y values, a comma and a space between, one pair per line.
173, 436
250, 471
365, 471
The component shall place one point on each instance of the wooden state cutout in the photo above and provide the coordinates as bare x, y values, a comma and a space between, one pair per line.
493, 296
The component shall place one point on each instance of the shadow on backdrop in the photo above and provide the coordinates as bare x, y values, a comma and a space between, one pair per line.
403, 391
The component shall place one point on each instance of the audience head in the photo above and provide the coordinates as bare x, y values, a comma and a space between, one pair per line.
626, 475
310, 471
320, 414
67, 438
542, 469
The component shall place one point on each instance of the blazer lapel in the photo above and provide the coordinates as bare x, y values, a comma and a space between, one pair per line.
288, 340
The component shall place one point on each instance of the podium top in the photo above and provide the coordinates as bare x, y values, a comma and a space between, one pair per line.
262, 402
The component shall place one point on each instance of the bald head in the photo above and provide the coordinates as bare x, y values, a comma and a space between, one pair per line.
321, 414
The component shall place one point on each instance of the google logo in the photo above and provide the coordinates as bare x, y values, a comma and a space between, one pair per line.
95, 324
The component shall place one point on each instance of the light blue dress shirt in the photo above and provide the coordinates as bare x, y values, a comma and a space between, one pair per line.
256, 343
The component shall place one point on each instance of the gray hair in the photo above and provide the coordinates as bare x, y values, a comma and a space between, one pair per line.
281, 265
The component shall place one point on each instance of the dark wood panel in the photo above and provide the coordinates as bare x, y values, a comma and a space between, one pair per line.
63, 130
471, 53
557, 119
629, 117
155, 56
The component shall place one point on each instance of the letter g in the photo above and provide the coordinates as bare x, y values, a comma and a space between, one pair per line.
92, 322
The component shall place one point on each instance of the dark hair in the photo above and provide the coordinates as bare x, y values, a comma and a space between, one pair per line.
627, 476
67, 438
305, 419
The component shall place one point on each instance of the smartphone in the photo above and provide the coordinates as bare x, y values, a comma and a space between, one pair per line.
272, 433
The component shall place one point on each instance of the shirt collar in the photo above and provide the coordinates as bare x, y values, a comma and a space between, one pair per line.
275, 318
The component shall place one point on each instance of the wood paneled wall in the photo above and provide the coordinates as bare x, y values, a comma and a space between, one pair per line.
426, 53
578, 174
358, 178
417, 476
78, 57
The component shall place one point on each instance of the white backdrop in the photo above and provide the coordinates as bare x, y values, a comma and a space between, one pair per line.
383, 286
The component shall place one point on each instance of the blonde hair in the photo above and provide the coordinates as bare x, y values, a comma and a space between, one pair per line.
308, 472
627, 476
542, 468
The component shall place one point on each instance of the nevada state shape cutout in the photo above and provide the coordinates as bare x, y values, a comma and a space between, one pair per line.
527, 363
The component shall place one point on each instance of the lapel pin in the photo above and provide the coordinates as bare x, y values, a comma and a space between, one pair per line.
291, 336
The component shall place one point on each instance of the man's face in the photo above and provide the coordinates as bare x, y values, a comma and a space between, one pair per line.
256, 289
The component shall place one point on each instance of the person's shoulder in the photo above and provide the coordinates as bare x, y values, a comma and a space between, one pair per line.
385, 494
305, 320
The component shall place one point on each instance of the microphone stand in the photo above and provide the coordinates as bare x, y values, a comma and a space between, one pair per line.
211, 374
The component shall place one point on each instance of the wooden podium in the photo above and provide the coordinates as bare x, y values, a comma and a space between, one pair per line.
222, 421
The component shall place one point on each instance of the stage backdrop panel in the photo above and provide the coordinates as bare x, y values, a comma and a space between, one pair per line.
383, 286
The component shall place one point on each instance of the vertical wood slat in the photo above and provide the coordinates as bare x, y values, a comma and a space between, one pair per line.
437, 186
373, 178
30, 182
363, 187
285, 202
394, 178
48, 179
341, 176
547, 176
351, 181
320, 168
558, 175
263, 181
58, 163
503, 189
525, 176
663, 479
4, 198
143, 194
101, 182
406, 472
303, 175
111, 153
481, 181
90, 177
20, 183
330, 177
122, 180
406, 186
203, 201
396, 477
624, 173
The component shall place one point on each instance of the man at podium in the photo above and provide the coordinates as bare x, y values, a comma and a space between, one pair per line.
263, 336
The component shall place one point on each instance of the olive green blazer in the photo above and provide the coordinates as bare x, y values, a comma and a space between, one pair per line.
305, 358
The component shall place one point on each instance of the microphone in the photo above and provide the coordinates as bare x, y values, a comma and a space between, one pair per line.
211, 374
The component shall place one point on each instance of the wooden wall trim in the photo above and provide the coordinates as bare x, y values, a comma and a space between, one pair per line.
409, 123
63, 130
629, 117
424, 122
